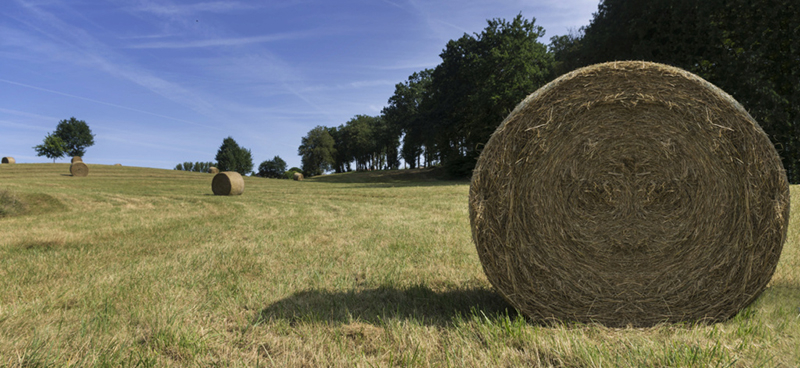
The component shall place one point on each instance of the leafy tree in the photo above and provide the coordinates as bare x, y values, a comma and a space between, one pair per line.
195, 167
749, 48
404, 115
76, 136
274, 168
231, 157
479, 82
317, 151
52, 147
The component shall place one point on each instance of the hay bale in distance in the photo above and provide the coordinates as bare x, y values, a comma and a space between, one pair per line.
76, 159
9, 160
213, 170
227, 183
117, 164
79, 169
629, 193
297, 176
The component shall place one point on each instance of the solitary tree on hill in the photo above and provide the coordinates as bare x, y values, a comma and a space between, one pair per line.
75, 135
231, 157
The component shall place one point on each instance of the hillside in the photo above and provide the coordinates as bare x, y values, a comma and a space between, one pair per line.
145, 267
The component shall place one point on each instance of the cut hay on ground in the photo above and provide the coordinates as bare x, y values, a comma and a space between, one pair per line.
76, 159
213, 170
629, 193
9, 160
227, 183
79, 169
297, 176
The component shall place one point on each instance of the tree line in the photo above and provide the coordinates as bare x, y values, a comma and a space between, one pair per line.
444, 116
233, 157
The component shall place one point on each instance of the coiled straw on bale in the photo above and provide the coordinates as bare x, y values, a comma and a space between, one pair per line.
297, 176
79, 169
76, 159
227, 183
8, 160
629, 193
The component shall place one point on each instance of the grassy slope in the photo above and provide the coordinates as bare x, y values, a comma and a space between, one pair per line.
133, 266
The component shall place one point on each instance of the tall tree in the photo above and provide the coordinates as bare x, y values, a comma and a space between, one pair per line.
76, 136
317, 151
404, 116
479, 82
232, 157
52, 147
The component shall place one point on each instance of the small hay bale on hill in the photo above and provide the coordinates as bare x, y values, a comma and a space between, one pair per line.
213, 170
76, 159
297, 176
117, 164
629, 193
79, 169
8, 160
227, 183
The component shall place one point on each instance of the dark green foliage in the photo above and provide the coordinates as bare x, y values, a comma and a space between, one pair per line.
750, 49
231, 157
274, 168
317, 151
76, 136
195, 167
52, 147
403, 115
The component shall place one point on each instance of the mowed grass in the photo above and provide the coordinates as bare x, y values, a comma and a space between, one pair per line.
144, 267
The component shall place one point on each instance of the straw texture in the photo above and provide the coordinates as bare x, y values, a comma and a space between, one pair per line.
297, 176
213, 170
79, 169
9, 160
629, 193
227, 183
76, 159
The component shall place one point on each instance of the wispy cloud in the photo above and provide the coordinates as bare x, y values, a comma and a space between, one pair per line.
160, 8
235, 41
95, 101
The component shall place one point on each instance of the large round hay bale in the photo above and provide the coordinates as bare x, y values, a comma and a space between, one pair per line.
213, 170
297, 176
227, 183
76, 159
8, 160
79, 169
629, 193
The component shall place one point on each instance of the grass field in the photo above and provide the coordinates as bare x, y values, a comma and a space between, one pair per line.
143, 267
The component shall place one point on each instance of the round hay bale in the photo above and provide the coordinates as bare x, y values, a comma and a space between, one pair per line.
227, 183
117, 164
297, 176
76, 159
213, 170
629, 193
8, 160
78, 169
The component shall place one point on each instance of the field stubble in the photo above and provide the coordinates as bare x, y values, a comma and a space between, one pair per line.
144, 267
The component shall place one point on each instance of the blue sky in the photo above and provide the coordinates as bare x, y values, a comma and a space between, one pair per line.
161, 82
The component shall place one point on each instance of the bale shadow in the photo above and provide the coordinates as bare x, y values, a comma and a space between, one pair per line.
418, 303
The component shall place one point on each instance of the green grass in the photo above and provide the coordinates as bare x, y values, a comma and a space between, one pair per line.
142, 267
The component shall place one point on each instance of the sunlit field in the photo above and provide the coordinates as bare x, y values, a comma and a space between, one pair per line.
145, 267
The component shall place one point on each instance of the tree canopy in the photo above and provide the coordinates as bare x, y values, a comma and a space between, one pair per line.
317, 151
275, 168
52, 147
231, 157
76, 136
